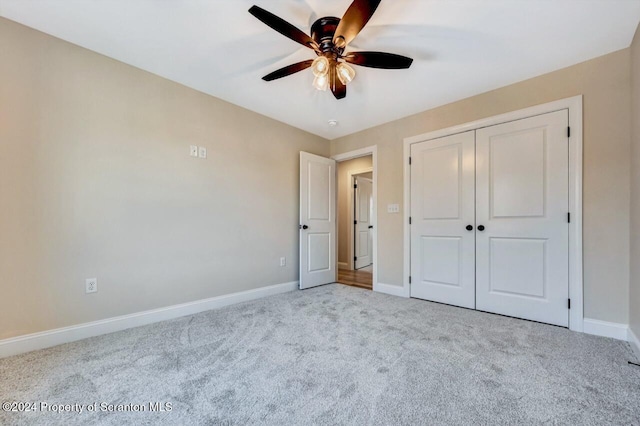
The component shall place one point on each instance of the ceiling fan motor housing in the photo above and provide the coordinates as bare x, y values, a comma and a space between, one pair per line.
322, 32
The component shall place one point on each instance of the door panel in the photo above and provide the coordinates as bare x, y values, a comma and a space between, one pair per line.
526, 259
442, 175
319, 251
317, 213
442, 205
364, 204
522, 172
441, 260
320, 191
517, 176
363, 245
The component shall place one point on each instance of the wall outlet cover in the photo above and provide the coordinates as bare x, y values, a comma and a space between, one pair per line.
91, 285
202, 152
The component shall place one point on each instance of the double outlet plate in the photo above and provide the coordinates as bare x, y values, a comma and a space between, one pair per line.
91, 285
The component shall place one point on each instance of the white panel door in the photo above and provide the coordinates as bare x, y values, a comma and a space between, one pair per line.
317, 220
522, 238
363, 208
442, 216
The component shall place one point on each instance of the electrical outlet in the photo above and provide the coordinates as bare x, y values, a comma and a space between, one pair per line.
91, 285
283, 261
193, 150
202, 152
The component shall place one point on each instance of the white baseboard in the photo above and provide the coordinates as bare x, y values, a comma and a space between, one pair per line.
634, 342
394, 290
58, 336
343, 265
606, 329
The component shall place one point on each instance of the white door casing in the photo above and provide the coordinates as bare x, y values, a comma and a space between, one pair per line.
363, 222
522, 201
317, 220
442, 207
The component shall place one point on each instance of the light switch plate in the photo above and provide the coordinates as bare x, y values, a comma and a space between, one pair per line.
202, 152
193, 151
393, 208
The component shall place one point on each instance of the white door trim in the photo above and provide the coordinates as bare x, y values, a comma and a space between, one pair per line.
350, 178
363, 152
574, 105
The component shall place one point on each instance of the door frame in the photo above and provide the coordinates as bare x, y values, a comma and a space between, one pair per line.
363, 152
574, 106
351, 177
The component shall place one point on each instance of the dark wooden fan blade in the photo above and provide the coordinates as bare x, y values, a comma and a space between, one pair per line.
288, 70
338, 89
388, 61
354, 20
283, 27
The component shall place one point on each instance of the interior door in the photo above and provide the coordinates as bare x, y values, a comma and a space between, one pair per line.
522, 238
363, 226
442, 220
317, 220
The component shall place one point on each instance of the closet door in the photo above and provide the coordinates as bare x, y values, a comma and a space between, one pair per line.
522, 246
442, 215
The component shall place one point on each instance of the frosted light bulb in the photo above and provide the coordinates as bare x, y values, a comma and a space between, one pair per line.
320, 66
345, 73
321, 82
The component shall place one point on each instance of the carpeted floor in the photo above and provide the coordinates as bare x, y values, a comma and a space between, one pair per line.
333, 355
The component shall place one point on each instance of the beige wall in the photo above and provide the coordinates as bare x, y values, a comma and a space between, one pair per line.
96, 181
634, 305
605, 84
355, 165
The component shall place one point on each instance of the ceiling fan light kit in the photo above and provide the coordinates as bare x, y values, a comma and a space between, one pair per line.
329, 38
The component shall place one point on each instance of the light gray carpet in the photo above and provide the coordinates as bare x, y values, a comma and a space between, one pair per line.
334, 355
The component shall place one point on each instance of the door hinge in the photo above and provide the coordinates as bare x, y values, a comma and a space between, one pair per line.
569, 217
569, 303
409, 160
409, 220
355, 258
355, 222
568, 132
355, 186
409, 279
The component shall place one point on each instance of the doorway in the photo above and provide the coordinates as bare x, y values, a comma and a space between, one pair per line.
322, 201
356, 221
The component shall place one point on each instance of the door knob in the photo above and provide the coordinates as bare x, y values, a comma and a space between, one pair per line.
370, 226
469, 228
480, 227
305, 227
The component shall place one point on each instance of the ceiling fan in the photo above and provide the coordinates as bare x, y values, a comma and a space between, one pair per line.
329, 39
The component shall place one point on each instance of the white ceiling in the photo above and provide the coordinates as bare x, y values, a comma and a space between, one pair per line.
461, 48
